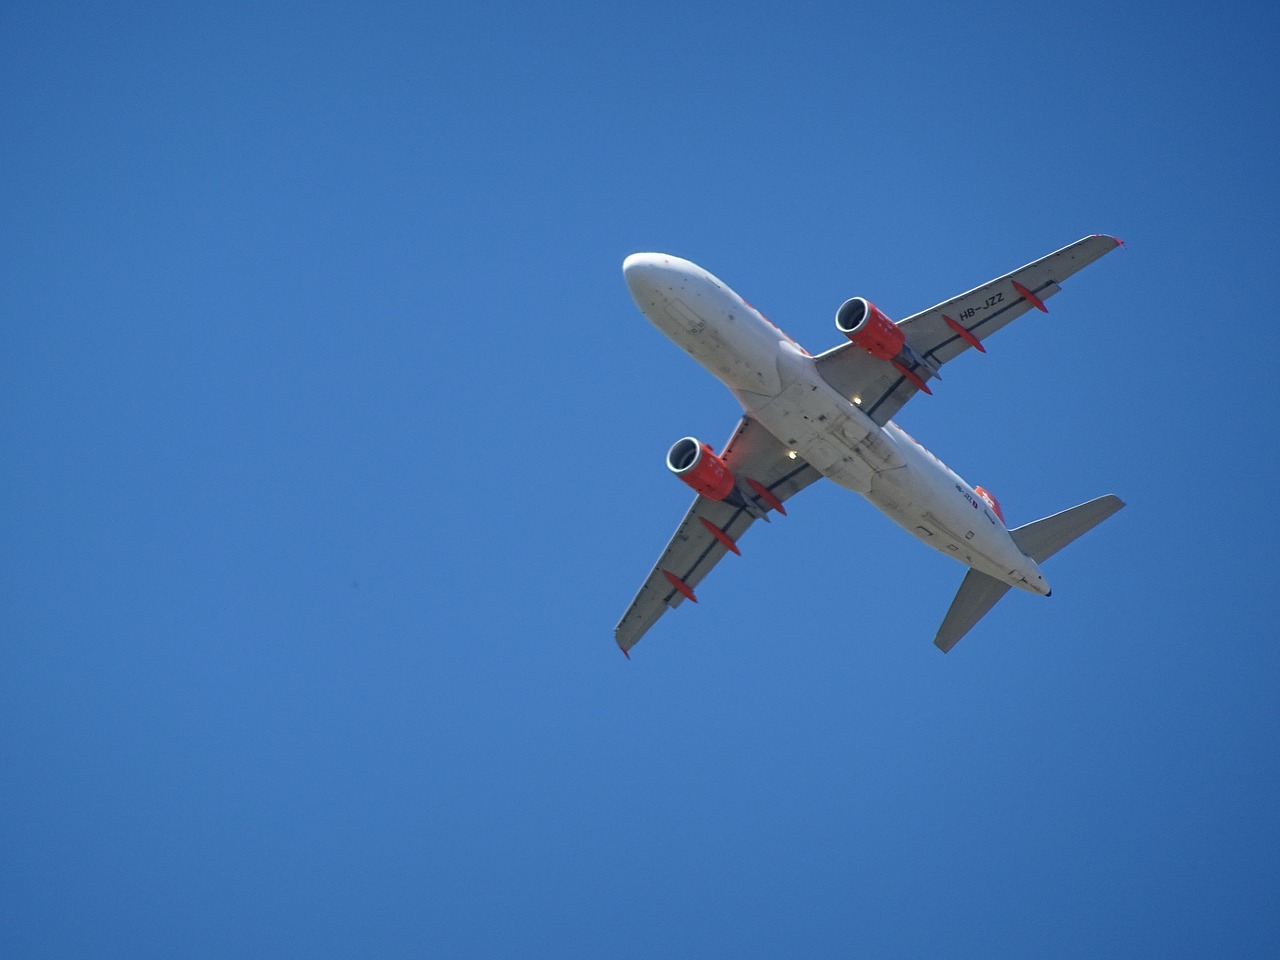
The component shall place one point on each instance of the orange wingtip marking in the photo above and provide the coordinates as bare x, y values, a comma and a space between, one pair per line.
1030, 297
920, 384
963, 333
720, 535
680, 585
767, 496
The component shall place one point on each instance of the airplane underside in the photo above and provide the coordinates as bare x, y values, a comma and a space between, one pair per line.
830, 415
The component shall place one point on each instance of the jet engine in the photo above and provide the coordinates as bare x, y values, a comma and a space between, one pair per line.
696, 464
868, 328
860, 321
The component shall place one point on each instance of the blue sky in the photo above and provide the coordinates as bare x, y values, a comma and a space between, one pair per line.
335, 452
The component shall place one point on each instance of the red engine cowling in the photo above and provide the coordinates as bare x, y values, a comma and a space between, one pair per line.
866, 326
696, 464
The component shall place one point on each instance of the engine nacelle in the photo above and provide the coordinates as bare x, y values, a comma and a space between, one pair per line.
860, 321
696, 464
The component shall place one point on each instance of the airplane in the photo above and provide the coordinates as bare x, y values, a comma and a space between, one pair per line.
806, 417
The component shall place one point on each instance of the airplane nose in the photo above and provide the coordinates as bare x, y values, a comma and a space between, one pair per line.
644, 273
641, 269
635, 262
654, 277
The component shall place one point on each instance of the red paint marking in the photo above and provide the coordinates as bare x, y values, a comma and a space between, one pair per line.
1031, 297
767, 496
874, 332
992, 502
920, 384
679, 585
624, 653
706, 473
720, 535
965, 335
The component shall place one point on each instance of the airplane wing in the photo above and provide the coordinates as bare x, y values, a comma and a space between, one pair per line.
945, 331
695, 548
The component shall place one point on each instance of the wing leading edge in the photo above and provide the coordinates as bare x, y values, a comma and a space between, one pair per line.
946, 330
752, 452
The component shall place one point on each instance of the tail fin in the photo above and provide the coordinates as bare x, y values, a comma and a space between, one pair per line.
1039, 541
1043, 538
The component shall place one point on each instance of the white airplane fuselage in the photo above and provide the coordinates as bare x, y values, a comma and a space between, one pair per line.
778, 384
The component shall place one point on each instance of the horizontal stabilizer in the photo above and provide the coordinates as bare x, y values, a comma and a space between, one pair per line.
978, 594
1039, 541
1043, 538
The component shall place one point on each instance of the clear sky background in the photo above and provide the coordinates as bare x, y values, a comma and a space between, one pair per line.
333, 451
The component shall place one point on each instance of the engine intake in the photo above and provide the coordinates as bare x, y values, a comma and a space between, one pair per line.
860, 321
868, 328
696, 464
